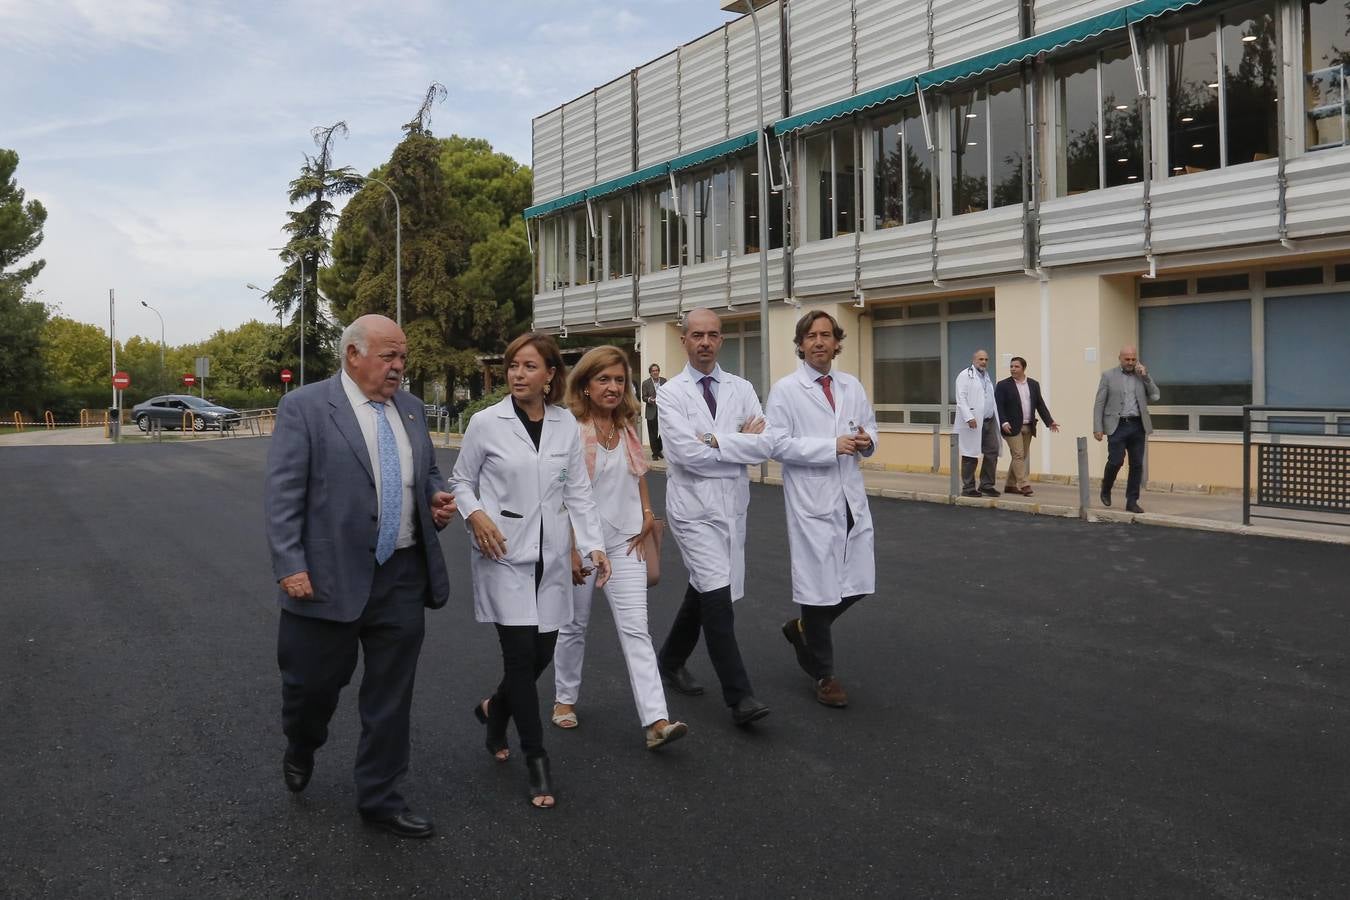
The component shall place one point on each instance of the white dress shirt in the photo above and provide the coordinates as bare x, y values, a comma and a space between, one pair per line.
365, 417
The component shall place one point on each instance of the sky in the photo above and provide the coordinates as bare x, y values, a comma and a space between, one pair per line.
161, 134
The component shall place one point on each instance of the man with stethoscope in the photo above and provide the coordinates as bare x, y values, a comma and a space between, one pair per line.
820, 426
712, 427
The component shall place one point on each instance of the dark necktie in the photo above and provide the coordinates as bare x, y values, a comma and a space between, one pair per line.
825, 386
708, 397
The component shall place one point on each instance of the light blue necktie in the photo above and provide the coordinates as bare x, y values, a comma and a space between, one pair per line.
391, 487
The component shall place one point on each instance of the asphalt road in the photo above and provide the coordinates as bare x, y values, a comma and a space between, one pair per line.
1040, 707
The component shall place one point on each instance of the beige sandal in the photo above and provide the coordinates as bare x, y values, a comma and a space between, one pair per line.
659, 735
564, 720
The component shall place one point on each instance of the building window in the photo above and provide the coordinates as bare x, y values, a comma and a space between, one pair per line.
740, 351
917, 350
709, 208
902, 171
1305, 349
988, 146
1215, 121
584, 247
552, 254
750, 203
665, 231
1099, 134
617, 218
1200, 354
831, 184
1326, 61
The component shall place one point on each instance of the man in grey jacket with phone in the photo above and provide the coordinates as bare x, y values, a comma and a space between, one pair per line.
1120, 414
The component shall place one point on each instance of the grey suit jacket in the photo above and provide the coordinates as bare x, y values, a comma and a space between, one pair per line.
1110, 402
648, 396
320, 503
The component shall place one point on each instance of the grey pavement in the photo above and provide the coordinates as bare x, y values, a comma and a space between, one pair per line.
1041, 706
1164, 504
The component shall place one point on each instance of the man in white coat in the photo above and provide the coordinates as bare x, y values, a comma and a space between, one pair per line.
712, 427
821, 425
977, 426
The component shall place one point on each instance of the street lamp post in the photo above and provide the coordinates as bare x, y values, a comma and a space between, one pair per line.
398, 250
161, 342
762, 194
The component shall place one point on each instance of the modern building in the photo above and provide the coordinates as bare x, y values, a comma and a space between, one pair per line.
1052, 179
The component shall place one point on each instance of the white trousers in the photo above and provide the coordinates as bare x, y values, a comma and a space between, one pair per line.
627, 595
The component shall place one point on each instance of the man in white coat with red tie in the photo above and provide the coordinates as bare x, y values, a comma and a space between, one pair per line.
821, 425
712, 427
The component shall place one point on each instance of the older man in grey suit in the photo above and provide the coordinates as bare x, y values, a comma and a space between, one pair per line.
1120, 413
354, 502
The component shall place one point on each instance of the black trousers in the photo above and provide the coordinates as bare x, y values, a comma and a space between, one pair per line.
989, 453
710, 613
1128, 438
654, 432
317, 658
816, 624
818, 620
526, 653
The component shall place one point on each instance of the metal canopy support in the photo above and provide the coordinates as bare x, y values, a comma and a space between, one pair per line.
1146, 140
1282, 134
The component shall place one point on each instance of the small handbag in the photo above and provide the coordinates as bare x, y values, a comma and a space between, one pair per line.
651, 552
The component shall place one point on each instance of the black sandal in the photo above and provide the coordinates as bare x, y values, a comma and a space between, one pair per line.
496, 740
540, 783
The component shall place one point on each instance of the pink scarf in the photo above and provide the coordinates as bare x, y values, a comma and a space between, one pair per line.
637, 463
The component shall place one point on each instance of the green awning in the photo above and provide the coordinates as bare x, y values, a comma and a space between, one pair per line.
641, 176
1115, 20
857, 103
708, 154
548, 206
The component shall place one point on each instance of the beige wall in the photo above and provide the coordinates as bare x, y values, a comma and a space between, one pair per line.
1191, 463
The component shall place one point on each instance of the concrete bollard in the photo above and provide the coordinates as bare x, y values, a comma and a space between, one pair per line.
1083, 481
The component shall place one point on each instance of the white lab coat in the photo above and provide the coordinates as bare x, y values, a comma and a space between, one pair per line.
499, 471
707, 488
829, 561
974, 400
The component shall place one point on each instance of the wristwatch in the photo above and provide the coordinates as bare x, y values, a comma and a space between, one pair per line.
709, 439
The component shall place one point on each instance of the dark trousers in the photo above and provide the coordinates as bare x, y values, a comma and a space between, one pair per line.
816, 624
711, 613
989, 450
526, 653
1128, 438
654, 433
317, 658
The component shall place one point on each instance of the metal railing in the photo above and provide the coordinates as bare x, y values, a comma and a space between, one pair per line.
1301, 462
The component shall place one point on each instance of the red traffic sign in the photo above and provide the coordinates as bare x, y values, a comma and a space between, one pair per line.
121, 381
286, 376
189, 379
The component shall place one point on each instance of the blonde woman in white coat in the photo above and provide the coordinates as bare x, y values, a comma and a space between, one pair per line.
520, 483
821, 425
599, 394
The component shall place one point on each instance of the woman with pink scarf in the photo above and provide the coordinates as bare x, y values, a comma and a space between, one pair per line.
600, 395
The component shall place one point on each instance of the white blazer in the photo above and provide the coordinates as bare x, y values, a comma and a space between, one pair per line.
523, 490
707, 488
973, 402
829, 560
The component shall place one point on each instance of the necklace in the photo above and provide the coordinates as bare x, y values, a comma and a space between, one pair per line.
607, 439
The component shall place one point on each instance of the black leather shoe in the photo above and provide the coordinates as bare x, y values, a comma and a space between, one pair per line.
1133, 507
405, 825
1106, 498
296, 771
748, 710
989, 492
682, 681
970, 494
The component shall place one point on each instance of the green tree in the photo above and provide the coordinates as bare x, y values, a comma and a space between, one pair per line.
76, 354
466, 264
22, 371
139, 358
309, 228
20, 225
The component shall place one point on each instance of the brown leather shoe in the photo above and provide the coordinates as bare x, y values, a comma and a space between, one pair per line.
1026, 491
831, 693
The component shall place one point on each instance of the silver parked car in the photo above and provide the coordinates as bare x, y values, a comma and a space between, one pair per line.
170, 412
